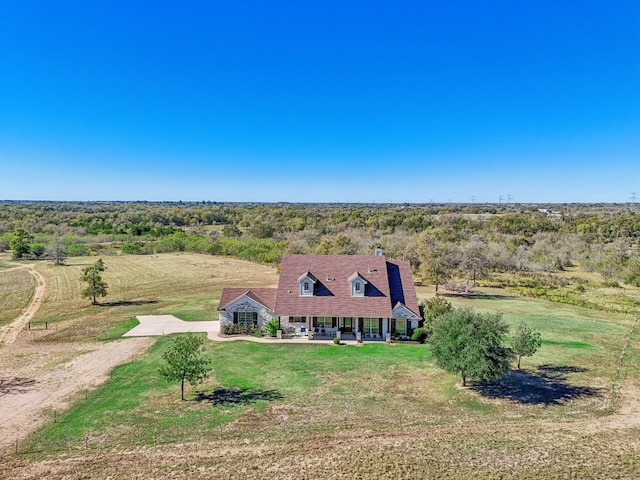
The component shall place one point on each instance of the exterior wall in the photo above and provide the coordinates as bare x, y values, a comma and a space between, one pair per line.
245, 305
403, 312
287, 324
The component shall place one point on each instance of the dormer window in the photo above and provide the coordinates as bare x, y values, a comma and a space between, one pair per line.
307, 282
357, 283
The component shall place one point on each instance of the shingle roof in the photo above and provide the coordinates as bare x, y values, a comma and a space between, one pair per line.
387, 283
401, 285
265, 296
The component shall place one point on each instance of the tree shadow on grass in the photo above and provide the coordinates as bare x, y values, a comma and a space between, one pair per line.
548, 385
15, 385
128, 303
244, 396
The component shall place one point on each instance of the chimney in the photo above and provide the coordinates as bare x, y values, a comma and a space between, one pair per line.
377, 252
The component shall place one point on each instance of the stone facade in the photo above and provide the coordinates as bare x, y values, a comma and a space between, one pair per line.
245, 304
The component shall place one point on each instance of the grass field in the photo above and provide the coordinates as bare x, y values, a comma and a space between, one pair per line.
384, 410
16, 291
323, 411
186, 285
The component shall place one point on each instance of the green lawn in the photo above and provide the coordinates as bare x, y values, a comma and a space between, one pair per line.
376, 411
298, 389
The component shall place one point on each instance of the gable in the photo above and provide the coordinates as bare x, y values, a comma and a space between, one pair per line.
401, 311
263, 297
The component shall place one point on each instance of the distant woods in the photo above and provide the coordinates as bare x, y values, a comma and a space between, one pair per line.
451, 246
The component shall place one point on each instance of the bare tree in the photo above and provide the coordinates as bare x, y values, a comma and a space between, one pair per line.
57, 251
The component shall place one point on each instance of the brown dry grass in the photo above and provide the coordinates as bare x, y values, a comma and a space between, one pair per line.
186, 285
352, 426
16, 290
490, 451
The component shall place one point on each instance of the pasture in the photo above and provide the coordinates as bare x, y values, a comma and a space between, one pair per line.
323, 411
16, 290
185, 285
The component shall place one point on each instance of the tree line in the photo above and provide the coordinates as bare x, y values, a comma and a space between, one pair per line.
447, 244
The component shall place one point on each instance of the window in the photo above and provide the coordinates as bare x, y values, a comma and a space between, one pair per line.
401, 326
323, 322
357, 287
306, 287
371, 326
245, 318
297, 319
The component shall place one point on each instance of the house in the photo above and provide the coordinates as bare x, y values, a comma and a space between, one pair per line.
324, 294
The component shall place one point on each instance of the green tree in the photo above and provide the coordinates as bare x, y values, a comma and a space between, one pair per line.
438, 262
474, 258
19, 242
97, 286
632, 275
470, 344
231, 230
431, 309
184, 361
525, 342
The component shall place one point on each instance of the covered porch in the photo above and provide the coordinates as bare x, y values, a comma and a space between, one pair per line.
349, 328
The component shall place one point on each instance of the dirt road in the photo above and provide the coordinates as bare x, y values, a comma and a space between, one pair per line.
35, 378
24, 399
9, 333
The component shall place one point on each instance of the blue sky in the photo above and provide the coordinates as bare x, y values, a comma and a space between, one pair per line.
320, 100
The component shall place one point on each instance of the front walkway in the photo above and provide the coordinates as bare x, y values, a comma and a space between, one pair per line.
158, 325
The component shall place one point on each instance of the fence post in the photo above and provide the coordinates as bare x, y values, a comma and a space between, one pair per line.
16, 446
29, 325
46, 325
54, 416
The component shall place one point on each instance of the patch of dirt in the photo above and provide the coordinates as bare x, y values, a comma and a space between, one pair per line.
628, 413
26, 393
9, 333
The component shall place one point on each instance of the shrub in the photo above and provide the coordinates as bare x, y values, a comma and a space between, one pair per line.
37, 249
77, 250
214, 248
239, 329
336, 340
272, 327
420, 335
632, 275
131, 248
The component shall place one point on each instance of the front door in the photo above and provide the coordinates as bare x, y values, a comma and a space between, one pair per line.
346, 324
